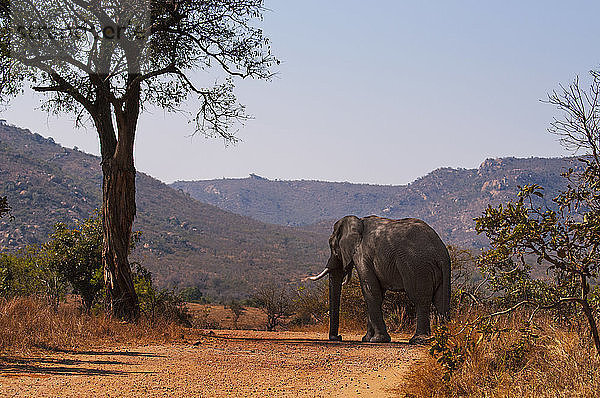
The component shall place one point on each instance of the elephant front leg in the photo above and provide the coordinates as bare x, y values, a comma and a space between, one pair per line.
373, 294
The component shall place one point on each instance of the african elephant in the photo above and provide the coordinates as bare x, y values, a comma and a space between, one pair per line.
397, 255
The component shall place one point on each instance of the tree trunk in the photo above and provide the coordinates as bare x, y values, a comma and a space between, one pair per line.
118, 212
118, 191
587, 311
593, 326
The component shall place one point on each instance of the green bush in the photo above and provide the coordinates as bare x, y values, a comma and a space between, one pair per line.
29, 273
194, 294
158, 305
72, 258
76, 255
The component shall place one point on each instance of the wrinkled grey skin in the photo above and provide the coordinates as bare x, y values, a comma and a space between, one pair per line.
397, 255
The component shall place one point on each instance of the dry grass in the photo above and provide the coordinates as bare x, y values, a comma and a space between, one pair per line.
29, 323
217, 316
561, 362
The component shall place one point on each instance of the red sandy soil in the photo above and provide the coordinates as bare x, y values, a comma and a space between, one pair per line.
221, 363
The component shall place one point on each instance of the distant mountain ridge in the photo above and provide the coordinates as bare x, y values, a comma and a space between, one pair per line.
184, 242
446, 198
187, 242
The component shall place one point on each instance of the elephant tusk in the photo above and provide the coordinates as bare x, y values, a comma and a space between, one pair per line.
322, 274
347, 278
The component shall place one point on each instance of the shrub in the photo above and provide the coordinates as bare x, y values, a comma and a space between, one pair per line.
507, 356
310, 304
75, 254
158, 305
29, 273
194, 294
275, 301
237, 309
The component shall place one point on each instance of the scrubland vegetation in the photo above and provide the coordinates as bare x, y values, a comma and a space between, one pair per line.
525, 309
511, 356
52, 296
521, 335
29, 323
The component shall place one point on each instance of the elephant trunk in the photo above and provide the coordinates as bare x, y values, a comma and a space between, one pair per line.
335, 291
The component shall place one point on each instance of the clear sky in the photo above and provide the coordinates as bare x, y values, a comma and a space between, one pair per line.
378, 92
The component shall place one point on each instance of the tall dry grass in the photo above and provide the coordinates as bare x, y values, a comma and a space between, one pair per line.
28, 323
560, 362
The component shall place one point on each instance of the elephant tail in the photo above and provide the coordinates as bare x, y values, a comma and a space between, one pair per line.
441, 297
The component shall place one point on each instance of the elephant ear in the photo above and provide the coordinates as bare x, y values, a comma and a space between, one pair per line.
350, 237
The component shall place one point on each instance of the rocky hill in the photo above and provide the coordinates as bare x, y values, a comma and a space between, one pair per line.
446, 198
184, 242
190, 243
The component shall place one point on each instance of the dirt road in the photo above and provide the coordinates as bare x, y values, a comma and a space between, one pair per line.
223, 363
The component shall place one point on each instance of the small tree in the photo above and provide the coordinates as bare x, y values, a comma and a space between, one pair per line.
274, 300
76, 255
193, 294
158, 304
103, 61
565, 239
236, 307
31, 273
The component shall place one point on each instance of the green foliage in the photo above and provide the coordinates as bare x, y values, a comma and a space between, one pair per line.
158, 304
449, 355
6, 275
72, 257
193, 294
29, 272
76, 254
565, 242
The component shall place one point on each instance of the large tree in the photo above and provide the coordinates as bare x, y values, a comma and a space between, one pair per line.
105, 60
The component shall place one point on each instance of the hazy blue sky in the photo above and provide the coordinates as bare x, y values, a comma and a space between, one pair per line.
378, 92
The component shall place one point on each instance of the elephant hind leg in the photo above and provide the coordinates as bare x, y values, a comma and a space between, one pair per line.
423, 324
370, 331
